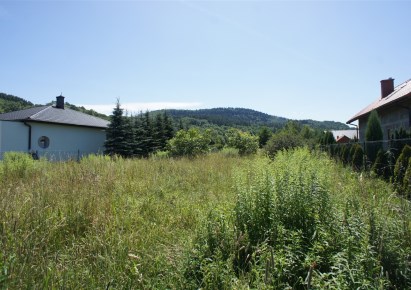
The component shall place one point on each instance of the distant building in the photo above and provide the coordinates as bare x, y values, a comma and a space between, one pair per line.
393, 108
52, 131
344, 136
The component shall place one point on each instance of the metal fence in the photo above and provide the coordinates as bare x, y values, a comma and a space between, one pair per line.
391, 149
371, 148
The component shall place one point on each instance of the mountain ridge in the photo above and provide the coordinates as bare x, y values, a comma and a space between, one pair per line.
231, 116
220, 116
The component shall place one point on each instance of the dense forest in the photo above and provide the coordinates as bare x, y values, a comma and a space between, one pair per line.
245, 119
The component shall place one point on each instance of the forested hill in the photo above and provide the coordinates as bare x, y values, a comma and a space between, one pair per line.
240, 117
10, 103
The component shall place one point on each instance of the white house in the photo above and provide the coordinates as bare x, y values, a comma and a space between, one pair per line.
53, 131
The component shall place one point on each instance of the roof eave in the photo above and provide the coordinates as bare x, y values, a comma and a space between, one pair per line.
62, 124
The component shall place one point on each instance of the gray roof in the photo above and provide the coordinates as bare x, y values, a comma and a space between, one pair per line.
50, 114
400, 92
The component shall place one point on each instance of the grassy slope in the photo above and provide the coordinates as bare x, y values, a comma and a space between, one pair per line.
130, 223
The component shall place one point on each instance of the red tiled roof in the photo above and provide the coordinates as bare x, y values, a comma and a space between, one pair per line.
400, 91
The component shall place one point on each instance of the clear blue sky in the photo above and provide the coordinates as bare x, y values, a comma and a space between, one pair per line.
321, 60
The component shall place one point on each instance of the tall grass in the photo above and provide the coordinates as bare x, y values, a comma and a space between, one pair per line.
302, 222
215, 222
105, 223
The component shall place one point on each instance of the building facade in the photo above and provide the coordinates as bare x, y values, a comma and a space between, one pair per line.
393, 108
52, 131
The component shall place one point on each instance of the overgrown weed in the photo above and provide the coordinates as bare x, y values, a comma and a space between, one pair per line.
216, 222
303, 221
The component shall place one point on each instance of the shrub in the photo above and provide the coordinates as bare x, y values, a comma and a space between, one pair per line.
189, 143
401, 166
345, 153
357, 157
243, 141
380, 164
263, 136
282, 141
373, 136
406, 184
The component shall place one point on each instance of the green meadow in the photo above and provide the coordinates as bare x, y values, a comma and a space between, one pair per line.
219, 221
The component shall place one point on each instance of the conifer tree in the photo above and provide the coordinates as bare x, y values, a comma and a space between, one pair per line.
147, 141
327, 138
129, 137
116, 139
373, 134
380, 166
358, 157
346, 153
159, 139
168, 127
263, 136
401, 166
139, 135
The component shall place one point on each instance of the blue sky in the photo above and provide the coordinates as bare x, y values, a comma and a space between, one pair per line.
319, 60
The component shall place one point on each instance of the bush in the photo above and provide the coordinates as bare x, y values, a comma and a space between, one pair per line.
243, 141
282, 141
380, 166
345, 153
189, 143
373, 136
400, 168
406, 184
263, 136
357, 157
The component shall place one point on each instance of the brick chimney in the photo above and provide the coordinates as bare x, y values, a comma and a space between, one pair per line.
387, 87
60, 102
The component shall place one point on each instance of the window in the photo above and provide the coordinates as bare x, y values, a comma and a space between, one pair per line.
44, 142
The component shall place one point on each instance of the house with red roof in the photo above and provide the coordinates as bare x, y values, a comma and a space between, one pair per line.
393, 108
56, 132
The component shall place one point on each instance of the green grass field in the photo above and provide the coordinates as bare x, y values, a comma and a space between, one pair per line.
215, 222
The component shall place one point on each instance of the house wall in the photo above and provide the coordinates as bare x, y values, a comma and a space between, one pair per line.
13, 136
392, 118
65, 141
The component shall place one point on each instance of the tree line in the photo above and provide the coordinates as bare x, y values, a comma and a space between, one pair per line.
137, 136
148, 133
